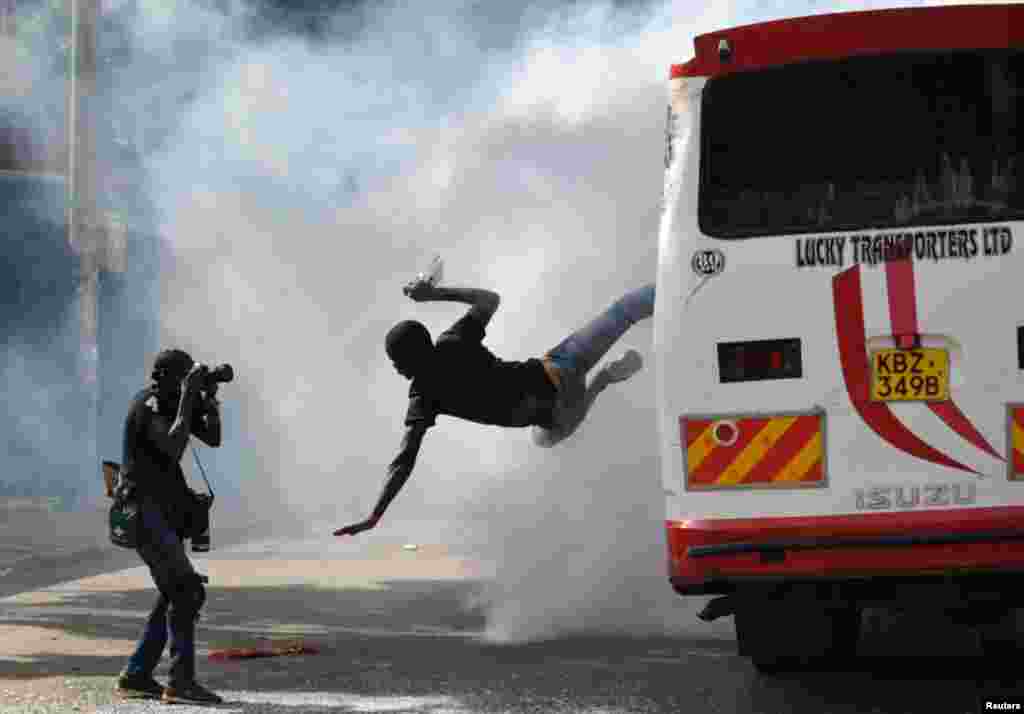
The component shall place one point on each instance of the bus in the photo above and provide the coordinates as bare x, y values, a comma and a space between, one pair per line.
839, 349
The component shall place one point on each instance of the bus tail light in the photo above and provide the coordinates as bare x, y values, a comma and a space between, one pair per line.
759, 359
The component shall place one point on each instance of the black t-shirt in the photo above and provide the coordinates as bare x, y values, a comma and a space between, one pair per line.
467, 381
154, 474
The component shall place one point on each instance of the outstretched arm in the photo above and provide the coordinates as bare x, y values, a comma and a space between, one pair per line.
484, 302
398, 473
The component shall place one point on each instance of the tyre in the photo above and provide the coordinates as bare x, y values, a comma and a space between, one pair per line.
1001, 639
781, 636
844, 637
777, 665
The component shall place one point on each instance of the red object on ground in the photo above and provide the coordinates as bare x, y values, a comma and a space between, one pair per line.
268, 650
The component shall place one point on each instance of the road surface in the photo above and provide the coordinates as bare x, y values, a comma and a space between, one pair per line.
397, 632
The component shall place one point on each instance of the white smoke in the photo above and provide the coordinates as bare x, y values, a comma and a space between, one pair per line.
303, 182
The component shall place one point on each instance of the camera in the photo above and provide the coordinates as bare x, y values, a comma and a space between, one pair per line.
220, 374
198, 530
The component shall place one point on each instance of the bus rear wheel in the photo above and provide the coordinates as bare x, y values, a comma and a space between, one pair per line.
1000, 637
786, 635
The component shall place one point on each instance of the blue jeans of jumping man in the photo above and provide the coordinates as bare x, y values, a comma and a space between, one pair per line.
572, 358
177, 608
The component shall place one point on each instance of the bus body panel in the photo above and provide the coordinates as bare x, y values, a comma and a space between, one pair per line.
839, 35
917, 470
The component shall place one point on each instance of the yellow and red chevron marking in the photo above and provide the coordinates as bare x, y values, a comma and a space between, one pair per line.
1016, 429
770, 452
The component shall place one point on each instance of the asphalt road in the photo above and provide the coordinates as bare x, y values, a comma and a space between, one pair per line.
412, 644
39, 548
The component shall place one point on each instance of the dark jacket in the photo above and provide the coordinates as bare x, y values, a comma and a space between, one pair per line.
154, 475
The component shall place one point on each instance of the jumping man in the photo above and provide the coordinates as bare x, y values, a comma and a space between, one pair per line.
460, 377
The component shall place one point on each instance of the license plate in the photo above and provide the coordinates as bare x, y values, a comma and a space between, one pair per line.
910, 375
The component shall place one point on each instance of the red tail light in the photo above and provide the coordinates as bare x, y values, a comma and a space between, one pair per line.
759, 359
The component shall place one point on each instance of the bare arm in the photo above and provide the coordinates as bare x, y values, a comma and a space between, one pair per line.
399, 471
171, 440
484, 302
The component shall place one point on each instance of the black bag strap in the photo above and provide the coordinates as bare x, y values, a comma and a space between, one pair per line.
201, 469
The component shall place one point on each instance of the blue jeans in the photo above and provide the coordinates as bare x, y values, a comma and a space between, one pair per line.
577, 354
177, 607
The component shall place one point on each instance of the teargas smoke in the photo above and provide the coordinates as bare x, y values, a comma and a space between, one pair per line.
502, 162
286, 179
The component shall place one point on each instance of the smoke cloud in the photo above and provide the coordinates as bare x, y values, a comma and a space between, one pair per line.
307, 181
299, 168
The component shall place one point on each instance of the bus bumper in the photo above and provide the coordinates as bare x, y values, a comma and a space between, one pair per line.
709, 556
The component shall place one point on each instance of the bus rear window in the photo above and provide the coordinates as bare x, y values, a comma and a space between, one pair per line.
868, 142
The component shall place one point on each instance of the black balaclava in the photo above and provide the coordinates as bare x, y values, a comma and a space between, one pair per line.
169, 368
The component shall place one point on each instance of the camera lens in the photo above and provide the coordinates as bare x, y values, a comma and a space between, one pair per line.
223, 373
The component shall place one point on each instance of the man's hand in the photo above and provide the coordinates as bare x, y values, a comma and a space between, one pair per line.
206, 420
419, 290
357, 527
210, 403
124, 492
194, 380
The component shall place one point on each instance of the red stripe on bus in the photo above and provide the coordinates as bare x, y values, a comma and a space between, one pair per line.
956, 420
795, 438
838, 35
850, 335
902, 291
720, 459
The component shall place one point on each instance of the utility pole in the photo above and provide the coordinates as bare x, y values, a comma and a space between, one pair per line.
8, 26
85, 233
97, 237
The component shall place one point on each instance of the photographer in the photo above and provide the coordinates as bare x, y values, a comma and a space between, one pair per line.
181, 401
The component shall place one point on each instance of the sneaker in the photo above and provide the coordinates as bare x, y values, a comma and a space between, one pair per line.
138, 686
190, 693
624, 367
570, 409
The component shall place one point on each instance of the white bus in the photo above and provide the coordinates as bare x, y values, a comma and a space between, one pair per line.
839, 336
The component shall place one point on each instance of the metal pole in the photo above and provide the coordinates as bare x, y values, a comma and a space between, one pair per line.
84, 231
8, 26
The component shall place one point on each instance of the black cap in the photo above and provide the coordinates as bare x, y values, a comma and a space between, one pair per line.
172, 364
